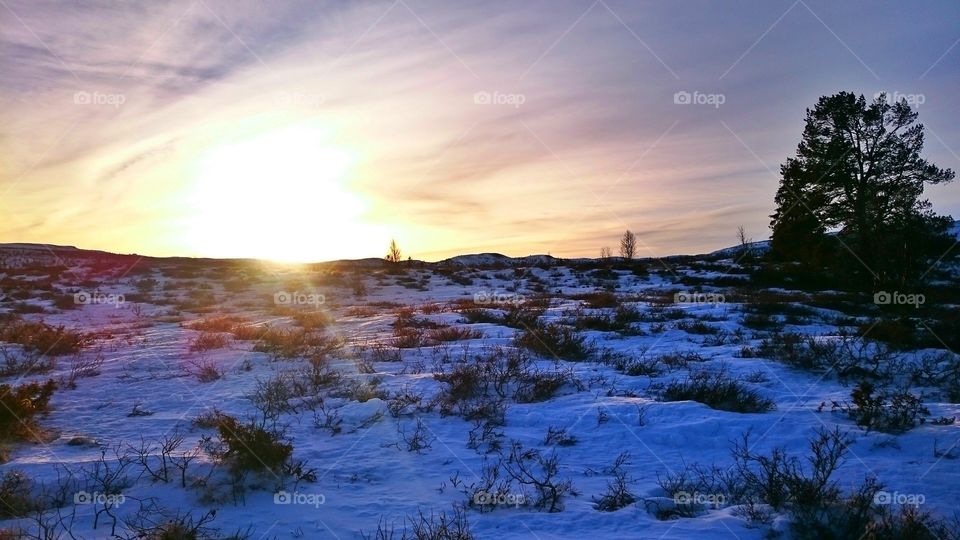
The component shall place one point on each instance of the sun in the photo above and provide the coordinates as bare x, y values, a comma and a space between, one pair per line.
279, 194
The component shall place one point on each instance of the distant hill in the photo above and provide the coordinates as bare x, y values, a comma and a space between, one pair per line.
31, 253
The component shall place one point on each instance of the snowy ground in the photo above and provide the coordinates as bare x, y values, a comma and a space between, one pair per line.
365, 471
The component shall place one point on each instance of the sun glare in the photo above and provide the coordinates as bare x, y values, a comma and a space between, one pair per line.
280, 195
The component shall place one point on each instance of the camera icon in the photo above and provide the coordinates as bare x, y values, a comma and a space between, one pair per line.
82, 497
482, 298
282, 497
282, 298
682, 498
882, 498
682, 98
82, 98
82, 298
482, 98
481, 498
681, 298
882, 298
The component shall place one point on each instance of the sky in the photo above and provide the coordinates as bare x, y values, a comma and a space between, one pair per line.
308, 130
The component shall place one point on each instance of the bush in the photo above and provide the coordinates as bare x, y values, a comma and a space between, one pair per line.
530, 468
618, 493
223, 323
43, 338
474, 316
886, 411
19, 405
600, 299
422, 527
207, 342
717, 391
554, 340
250, 447
294, 343
16, 495
453, 333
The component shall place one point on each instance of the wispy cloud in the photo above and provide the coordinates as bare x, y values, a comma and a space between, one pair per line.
496, 124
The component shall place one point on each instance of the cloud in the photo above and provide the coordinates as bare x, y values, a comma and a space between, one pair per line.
525, 125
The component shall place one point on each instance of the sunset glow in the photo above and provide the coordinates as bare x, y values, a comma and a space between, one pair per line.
301, 133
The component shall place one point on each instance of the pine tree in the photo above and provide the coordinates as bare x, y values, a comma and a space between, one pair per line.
858, 172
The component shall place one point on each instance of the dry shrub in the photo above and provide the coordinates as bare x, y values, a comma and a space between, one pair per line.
43, 338
208, 342
223, 323
453, 333
311, 320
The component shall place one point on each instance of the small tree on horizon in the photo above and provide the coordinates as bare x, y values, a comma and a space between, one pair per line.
628, 245
393, 254
605, 253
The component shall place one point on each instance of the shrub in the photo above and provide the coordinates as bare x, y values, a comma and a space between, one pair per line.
19, 405
250, 446
539, 386
599, 299
43, 338
223, 323
16, 495
294, 343
697, 327
207, 342
531, 468
523, 315
554, 340
422, 527
473, 316
453, 333
717, 391
886, 411
311, 320
618, 493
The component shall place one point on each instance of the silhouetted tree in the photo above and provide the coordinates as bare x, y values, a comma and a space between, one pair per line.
628, 245
393, 254
605, 253
858, 173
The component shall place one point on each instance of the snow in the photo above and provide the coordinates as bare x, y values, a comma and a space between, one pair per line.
363, 476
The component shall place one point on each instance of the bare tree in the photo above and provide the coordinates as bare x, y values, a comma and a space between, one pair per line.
745, 247
394, 255
605, 253
628, 245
